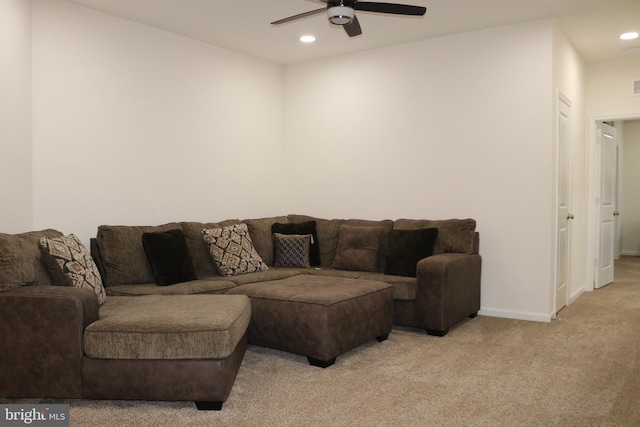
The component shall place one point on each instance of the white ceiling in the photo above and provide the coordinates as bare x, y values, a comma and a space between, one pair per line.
244, 26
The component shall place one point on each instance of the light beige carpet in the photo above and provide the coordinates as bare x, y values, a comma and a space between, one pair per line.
579, 370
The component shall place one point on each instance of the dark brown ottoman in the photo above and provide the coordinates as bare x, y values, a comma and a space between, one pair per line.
316, 316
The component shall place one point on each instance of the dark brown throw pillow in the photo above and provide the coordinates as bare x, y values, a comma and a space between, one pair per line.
406, 248
358, 248
169, 257
302, 228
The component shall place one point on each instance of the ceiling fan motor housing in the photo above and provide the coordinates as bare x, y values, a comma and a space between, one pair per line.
340, 12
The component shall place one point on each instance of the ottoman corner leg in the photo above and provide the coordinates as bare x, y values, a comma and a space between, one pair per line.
208, 406
383, 337
437, 332
320, 363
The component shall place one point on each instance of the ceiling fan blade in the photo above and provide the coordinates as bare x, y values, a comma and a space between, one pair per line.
353, 29
299, 16
394, 8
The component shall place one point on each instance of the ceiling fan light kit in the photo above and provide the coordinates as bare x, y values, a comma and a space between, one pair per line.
342, 12
340, 15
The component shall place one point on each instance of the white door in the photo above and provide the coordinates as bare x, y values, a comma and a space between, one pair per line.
563, 200
606, 201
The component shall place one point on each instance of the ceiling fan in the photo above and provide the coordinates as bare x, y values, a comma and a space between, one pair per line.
342, 12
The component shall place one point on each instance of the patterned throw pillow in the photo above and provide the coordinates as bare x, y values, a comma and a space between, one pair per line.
291, 250
302, 228
71, 264
232, 250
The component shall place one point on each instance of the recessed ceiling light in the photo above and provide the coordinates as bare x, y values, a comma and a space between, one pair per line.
307, 39
629, 36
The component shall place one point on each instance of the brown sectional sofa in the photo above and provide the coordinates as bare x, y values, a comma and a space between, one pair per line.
444, 291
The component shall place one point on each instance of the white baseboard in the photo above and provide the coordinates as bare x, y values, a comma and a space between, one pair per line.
518, 315
630, 253
576, 295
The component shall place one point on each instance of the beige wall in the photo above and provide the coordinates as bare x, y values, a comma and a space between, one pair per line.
609, 87
133, 125
15, 116
458, 126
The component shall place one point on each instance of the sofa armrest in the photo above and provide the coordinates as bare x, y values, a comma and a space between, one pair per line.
448, 290
41, 348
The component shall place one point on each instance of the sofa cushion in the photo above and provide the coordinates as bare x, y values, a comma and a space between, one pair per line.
169, 257
262, 237
406, 248
232, 250
265, 276
210, 285
291, 250
332, 272
404, 288
302, 228
454, 235
123, 256
202, 262
161, 327
358, 248
71, 264
20, 263
386, 225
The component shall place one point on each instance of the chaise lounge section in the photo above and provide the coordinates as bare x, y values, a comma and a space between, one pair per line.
59, 342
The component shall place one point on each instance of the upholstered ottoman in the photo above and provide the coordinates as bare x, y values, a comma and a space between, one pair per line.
316, 316
179, 347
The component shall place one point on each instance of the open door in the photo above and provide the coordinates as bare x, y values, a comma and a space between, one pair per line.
562, 205
607, 147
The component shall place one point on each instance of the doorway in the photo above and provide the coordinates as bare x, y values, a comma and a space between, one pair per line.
596, 230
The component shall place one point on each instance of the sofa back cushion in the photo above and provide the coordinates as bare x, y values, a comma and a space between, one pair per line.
358, 248
386, 225
123, 255
454, 235
20, 259
202, 262
262, 237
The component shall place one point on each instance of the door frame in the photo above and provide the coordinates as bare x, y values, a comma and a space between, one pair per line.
593, 189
